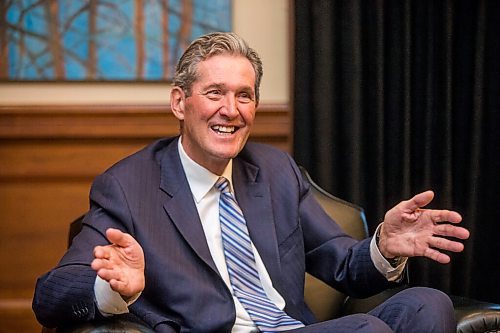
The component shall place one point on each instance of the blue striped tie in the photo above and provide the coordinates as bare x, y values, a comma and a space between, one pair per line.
241, 266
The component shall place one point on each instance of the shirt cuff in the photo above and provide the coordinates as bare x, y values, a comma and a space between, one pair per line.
382, 264
109, 302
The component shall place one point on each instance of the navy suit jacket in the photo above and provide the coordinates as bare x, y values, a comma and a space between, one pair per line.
148, 196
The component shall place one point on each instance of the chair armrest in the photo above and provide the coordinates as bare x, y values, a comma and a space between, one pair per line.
472, 316
476, 317
115, 324
363, 305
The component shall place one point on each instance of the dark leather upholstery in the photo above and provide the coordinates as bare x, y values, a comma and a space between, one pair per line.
326, 302
475, 316
116, 324
472, 316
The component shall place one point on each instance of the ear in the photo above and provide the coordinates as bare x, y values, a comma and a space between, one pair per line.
177, 102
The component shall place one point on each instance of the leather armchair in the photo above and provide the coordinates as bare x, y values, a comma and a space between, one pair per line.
326, 303
472, 316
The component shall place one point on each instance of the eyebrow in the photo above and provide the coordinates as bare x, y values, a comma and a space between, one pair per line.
214, 85
247, 89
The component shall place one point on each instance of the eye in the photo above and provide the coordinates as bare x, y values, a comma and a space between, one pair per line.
245, 97
214, 94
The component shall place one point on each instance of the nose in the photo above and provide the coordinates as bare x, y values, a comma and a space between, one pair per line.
229, 107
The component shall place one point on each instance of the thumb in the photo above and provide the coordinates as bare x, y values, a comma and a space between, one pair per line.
418, 201
119, 238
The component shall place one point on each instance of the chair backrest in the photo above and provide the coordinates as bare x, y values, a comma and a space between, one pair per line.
74, 229
324, 301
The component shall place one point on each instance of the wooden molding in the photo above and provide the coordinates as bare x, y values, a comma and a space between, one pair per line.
80, 141
119, 122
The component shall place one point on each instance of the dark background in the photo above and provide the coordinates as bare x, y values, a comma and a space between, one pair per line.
395, 97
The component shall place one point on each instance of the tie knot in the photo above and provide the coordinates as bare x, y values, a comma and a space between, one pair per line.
222, 184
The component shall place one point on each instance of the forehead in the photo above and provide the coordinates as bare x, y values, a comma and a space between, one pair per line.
226, 69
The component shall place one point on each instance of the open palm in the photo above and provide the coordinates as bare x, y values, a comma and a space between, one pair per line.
409, 230
121, 263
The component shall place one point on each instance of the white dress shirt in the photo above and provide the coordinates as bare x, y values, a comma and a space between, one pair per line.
206, 196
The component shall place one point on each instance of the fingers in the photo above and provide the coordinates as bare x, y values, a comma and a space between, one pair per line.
445, 216
418, 201
102, 252
449, 230
437, 256
117, 285
116, 280
104, 265
116, 238
104, 270
439, 243
119, 238
121, 263
128, 287
102, 255
430, 229
445, 244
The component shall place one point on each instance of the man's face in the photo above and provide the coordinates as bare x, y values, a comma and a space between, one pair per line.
220, 112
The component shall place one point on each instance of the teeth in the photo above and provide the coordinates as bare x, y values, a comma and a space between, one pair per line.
224, 129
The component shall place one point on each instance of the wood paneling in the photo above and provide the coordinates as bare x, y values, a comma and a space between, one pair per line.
16, 316
272, 122
48, 158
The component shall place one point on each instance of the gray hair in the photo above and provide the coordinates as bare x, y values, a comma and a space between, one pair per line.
209, 45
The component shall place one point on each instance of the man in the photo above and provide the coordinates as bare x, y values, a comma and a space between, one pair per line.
208, 233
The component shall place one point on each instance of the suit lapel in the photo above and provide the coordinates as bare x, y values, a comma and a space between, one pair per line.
254, 199
181, 207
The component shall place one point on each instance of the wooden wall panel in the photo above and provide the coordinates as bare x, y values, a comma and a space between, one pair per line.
48, 158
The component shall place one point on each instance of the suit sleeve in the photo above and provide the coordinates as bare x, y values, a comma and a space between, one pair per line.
333, 256
66, 293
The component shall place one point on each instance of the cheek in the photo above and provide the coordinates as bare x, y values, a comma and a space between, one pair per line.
206, 111
248, 114
195, 113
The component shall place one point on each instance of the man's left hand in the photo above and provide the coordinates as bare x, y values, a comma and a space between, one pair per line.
409, 230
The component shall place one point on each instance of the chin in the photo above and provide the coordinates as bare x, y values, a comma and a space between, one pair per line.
227, 155
228, 151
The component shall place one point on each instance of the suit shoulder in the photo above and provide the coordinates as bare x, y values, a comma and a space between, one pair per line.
147, 157
268, 159
259, 151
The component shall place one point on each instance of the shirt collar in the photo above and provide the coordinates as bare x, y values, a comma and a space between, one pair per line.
201, 180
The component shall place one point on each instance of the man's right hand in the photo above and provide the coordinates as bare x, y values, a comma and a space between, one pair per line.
121, 263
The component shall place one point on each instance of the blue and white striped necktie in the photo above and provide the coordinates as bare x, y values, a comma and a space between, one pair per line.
241, 267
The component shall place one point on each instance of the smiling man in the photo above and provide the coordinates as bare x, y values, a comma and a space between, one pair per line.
206, 232
217, 111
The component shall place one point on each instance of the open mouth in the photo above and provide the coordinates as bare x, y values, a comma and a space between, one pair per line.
224, 129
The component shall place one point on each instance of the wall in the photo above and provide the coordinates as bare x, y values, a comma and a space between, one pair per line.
263, 24
55, 137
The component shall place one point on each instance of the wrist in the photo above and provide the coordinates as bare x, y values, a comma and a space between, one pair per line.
393, 260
